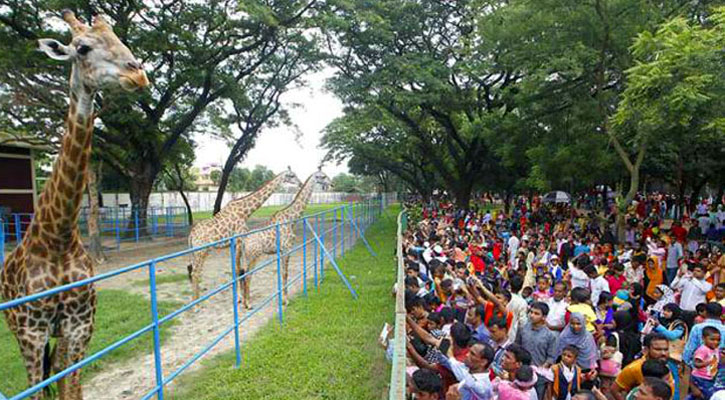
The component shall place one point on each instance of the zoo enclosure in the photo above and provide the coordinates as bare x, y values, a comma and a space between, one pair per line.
347, 223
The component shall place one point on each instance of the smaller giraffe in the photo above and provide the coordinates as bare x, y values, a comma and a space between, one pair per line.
262, 243
229, 221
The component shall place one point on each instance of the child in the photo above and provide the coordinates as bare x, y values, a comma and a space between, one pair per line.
542, 292
611, 360
526, 293
701, 314
706, 360
720, 294
567, 375
520, 389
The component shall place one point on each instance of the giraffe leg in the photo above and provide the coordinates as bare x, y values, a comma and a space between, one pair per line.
61, 361
32, 347
196, 273
285, 275
247, 293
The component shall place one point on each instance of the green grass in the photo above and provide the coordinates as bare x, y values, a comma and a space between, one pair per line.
118, 314
328, 348
162, 279
267, 211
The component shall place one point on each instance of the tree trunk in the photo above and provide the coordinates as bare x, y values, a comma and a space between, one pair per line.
141, 188
223, 182
95, 247
622, 211
189, 213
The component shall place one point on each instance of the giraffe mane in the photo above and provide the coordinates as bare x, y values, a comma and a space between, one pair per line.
256, 191
297, 196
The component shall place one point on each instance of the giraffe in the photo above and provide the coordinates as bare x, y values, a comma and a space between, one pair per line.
264, 242
51, 252
230, 220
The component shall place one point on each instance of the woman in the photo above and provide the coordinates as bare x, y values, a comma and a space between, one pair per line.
674, 328
605, 315
653, 276
629, 338
663, 296
576, 335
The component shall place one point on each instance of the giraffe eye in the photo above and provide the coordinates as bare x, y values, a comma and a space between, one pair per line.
83, 49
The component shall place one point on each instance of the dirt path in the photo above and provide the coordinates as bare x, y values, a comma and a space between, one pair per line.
194, 330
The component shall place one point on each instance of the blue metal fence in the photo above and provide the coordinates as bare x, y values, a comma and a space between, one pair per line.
350, 221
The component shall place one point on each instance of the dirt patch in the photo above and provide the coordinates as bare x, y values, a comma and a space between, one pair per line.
195, 330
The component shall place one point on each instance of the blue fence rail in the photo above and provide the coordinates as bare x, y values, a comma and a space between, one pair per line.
322, 233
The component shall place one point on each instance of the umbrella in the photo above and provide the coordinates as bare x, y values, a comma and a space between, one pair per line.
556, 197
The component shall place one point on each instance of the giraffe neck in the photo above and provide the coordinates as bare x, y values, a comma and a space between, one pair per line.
59, 205
249, 204
294, 210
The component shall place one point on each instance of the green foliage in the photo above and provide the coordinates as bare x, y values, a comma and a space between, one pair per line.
323, 351
215, 176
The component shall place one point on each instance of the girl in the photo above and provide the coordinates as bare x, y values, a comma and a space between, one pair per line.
663, 295
611, 361
543, 290
673, 328
520, 389
605, 315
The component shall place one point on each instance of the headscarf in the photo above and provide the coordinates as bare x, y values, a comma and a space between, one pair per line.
668, 296
582, 340
676, 314
626, 328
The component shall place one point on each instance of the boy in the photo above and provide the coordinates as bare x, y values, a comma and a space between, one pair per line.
706, 361
425, 385
567, 375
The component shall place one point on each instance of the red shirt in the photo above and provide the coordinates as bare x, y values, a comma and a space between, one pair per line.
478, 263
615, 283
679, 233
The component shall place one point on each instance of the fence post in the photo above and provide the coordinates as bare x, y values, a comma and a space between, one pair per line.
18, 229
304, 256
334, 234
279, 275
235, 300
169, 219
322, 252
135, 222
342, 232
314, 248
154, 222
157, 333
2, 243
118, 228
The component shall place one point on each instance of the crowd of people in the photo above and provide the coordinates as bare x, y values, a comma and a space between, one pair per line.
543, 302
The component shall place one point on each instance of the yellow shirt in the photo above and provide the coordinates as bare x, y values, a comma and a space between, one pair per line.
631, 376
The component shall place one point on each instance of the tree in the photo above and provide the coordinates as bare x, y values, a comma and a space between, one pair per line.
420, 63
215, 176
346, 183
238, 179
258, 177
197, 54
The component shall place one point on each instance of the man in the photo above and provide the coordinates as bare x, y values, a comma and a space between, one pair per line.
516, 306
694, 287
425, 385
472, 374
674, 257
654, 389
656, 347
514, 357
475, 320
597, 283
539, 341
500, 340
556, 319
713, 311
513, 247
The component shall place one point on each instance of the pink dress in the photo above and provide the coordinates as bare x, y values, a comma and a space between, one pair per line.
508, 391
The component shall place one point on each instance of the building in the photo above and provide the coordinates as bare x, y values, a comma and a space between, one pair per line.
18, 192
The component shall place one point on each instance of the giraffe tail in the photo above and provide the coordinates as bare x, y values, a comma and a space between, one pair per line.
190, 270
47, 364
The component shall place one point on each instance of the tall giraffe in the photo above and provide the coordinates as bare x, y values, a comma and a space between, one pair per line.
262, 243
51, 253
230, 220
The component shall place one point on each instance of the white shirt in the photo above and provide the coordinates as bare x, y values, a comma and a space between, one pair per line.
557, 312
694, 291
598, 285
513, 246
579, 278
518, 307
476, 386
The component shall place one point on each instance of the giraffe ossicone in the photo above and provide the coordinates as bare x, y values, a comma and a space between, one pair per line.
51, 253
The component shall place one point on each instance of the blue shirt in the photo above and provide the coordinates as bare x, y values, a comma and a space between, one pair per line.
695, 339
581, 249
481, 334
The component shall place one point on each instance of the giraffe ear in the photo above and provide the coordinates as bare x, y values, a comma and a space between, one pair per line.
55, 49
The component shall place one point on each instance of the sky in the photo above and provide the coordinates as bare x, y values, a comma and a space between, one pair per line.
277, 148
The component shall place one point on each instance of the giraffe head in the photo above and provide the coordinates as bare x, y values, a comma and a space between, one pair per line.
290, 178
319, 179
99, 57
